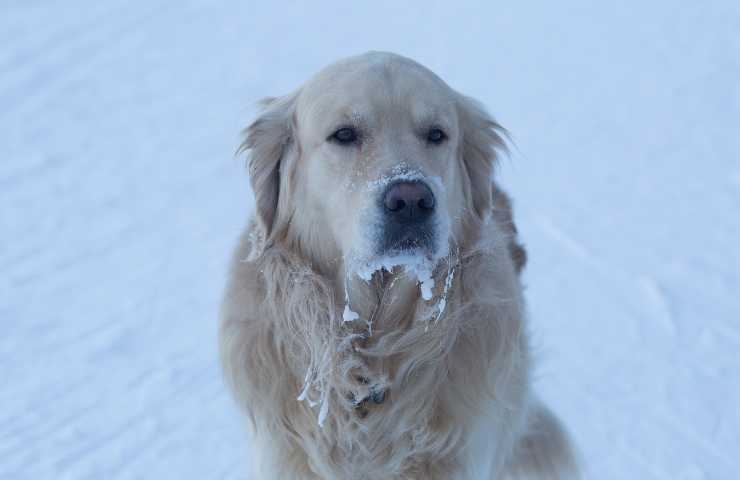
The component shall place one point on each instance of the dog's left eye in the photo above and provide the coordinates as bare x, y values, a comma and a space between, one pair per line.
436, 136
344, 136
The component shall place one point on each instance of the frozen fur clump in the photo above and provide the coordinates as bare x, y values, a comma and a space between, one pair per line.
412, 264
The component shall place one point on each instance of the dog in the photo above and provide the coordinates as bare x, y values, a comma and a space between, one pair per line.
373, 325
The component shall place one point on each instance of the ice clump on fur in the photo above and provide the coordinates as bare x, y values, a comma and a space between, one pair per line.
413, 265
349, 315
442, 303
313, 383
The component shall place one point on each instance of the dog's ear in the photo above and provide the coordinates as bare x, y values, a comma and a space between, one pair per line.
481, 139
267, 141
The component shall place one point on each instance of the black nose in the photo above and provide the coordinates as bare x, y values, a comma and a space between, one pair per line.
409, 201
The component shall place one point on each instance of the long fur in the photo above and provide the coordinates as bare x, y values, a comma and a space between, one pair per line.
455, 371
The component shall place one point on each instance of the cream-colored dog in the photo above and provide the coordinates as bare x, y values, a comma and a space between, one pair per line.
373, 326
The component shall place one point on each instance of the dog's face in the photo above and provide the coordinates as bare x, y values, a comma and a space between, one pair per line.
379, 146
372, 158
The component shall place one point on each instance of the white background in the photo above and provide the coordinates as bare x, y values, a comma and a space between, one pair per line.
120, 200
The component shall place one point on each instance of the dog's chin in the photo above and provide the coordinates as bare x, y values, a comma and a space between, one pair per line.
407, 244
408, 249
406, 261
408, 255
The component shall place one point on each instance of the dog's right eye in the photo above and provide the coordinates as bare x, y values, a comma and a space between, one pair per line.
344, 136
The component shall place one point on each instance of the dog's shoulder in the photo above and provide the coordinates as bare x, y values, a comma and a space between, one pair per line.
503, 215
243, 282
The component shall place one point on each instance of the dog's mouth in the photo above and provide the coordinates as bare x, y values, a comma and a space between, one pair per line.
408, 244
410, 251
398, 240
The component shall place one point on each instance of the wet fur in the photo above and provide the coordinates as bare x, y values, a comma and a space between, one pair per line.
458, 403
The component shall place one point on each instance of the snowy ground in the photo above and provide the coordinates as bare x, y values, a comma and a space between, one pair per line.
120, 201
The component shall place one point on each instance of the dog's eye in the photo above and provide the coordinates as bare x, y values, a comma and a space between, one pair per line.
344, 136
436, 136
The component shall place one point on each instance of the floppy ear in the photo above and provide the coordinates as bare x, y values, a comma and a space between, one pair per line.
267, 140
481, 138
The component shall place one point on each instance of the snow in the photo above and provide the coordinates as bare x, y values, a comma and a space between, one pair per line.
412, 264
349, 315
442, 302
120, 201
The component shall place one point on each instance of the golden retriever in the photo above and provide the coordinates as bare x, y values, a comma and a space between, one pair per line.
373, 326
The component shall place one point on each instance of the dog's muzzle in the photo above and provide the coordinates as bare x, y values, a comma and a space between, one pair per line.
408, 209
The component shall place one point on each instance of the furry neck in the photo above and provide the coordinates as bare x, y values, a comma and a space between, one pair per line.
390, 321
399, 343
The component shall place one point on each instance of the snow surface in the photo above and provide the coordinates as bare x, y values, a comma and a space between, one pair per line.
120, 201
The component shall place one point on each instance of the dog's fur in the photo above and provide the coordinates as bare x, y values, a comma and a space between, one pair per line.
454, 375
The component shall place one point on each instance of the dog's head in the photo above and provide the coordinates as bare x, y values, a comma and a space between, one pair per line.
374, 157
